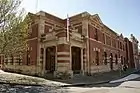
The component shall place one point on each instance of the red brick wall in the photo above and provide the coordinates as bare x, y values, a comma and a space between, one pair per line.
132, 64
33, 52
94, 44
91, 31
46, 28
109, 48
34, 31
79, 29
32, 46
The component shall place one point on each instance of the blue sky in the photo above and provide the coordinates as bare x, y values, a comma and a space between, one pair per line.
123, 16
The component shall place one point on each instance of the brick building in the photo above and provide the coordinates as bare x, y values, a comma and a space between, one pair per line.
129, 53
92, 47
139, 58
135, 50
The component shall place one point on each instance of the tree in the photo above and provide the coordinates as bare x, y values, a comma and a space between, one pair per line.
13, 29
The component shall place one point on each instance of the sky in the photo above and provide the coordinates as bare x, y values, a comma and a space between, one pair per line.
122, 16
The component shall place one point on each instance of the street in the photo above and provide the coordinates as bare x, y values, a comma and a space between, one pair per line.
29, 84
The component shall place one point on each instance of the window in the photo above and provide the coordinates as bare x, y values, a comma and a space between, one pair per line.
105, 58
123, 47
111, 61
122, 60
109, 41
116, 59
120, 45
47, 29
28, 58
103, 38
113, 43
96, 35
6, 59
97, 58
34, 28
20, 59
42, 52
78, 29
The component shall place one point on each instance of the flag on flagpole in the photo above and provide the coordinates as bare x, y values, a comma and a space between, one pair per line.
68, 24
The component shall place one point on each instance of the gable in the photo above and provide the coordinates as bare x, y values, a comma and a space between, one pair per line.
97, 18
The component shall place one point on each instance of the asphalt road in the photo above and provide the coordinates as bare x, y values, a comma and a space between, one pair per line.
6, 88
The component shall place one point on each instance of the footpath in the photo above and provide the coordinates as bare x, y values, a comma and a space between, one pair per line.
96, 79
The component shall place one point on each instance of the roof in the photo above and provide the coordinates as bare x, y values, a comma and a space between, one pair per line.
74, 16
110, 30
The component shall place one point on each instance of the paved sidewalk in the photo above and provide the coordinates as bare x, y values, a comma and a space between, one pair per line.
97, 77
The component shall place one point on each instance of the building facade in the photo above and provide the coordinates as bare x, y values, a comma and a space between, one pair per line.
129, 53
135, 50
139, 58
88, 47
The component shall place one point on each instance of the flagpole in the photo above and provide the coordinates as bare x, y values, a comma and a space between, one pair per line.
36, 7
68, 28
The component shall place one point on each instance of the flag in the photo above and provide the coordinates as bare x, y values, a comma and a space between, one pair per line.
68, 24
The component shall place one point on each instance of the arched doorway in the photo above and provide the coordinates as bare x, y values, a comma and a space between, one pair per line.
111, 61
50, 59
76, 59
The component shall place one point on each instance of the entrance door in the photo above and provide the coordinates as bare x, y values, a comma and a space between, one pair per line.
76, 59
50, 59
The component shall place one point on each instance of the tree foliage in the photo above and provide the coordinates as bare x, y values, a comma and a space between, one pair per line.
13, 29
